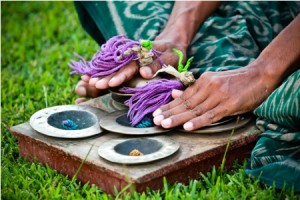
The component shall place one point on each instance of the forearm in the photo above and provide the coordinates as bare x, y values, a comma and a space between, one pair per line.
282, 56
186, 18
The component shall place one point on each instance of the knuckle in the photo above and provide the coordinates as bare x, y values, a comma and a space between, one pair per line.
215, 81
234, 103
168, 113
187, 104
211, 79
175, 120
179, 119
165, 108
197, 111
210, 116
206, 75
186, 94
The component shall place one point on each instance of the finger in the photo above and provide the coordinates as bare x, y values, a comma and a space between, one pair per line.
167, 58
182, 114
146, 72
102, 83
207, 118
83, 89
166, 107
170, 58
80, 88
123, 75
176, 93
93, 81
189, 98
85, 78
171, 105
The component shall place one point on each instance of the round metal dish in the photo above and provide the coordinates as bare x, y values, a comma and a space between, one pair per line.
117, 122
154, 148
235, 123
49, 121
116, 92
120, 97
222, 121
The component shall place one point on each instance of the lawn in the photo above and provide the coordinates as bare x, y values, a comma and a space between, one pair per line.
38, 40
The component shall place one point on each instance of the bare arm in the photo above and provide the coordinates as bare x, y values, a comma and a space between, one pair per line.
186, 18
282, 56
218, 94
183, 23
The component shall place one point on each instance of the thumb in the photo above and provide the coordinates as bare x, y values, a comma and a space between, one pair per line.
146, 72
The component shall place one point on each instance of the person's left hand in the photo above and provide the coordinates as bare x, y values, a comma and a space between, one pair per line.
213, 96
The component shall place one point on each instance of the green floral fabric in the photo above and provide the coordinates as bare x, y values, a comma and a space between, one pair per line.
231, 38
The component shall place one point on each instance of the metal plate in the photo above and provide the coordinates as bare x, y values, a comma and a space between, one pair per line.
48, 121
118, 96
110, 123
154, 148
235, 123
136, 81
222, 121
116, 92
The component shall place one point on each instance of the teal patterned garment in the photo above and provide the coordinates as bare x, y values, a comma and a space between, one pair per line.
276, 156
231, 38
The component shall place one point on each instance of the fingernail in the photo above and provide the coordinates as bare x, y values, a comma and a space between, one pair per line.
166, 123
101, 84
176, 93
113, 82
157, 112
81, 91
146, 72
188, 126
93, 81
157, 120
85, 78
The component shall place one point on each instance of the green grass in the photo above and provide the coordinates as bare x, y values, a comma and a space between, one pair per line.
38, 40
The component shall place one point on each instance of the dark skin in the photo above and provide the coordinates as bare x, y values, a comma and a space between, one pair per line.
177, 34
215, 94
218, 94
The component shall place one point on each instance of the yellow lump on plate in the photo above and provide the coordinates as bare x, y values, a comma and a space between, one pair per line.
135, 152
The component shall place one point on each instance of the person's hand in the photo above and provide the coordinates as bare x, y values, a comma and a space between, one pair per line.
126, 73
93, 87
84, 89
218, 94
177, 34
213, 96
